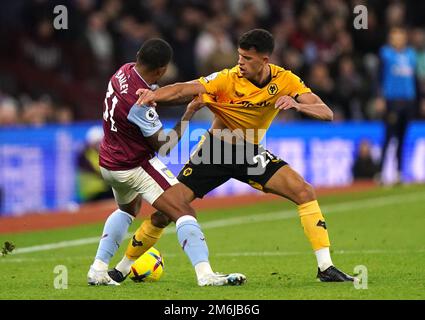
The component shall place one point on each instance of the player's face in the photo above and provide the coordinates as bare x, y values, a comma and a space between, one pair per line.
398, 39
251, 63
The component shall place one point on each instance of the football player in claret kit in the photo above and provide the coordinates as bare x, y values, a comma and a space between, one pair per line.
132, 136
245, 100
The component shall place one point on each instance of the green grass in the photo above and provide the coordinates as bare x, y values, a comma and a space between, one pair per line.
386, 237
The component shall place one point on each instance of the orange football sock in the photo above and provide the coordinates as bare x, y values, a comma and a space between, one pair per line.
314, 224
143, 239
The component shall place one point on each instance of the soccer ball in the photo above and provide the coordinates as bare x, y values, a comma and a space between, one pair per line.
148, 267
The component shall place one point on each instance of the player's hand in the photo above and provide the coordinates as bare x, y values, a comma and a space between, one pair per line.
146, 97
196, 104
286, 102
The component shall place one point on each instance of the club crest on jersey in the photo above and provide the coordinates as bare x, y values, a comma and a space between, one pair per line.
272, 89
151, 114
187, 172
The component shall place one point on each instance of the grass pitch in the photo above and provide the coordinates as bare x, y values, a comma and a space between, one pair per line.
382, 230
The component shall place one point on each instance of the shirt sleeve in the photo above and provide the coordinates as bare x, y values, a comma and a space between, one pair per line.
146, 118
296, 85
216, 82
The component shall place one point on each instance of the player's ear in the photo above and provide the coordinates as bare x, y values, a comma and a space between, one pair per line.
161, 71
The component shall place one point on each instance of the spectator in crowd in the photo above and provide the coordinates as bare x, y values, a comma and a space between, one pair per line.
214, 49
91, 185
38, 112
64, 115
376, 108
418, 42
42, 49
398, 62
421, 112
8, 111
310, 36
349, 86
101, 45
321, 82
365, 168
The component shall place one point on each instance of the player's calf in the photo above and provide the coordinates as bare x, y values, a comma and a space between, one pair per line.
142, 240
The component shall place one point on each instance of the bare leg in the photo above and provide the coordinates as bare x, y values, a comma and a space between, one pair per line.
289, 184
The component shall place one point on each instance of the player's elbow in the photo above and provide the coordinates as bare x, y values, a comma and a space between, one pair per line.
328, 114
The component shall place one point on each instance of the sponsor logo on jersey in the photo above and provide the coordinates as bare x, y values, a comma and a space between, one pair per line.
212, 76
248, 104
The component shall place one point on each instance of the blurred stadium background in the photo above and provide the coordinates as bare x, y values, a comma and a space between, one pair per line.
53, 82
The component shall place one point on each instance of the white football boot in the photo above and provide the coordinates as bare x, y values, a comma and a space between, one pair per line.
100, 278
218, 279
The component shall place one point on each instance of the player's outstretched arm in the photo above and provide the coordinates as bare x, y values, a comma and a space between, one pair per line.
162, 142
172, 92
307, 103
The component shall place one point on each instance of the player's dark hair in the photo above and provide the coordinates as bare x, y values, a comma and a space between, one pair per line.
154, 54
259, 39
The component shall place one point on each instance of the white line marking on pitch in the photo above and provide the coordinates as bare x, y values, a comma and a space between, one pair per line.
271, 216
226, 254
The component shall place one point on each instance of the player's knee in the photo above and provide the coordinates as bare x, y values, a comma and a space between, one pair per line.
132, 208
306, 193
183, 209
137, 207
160, 220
